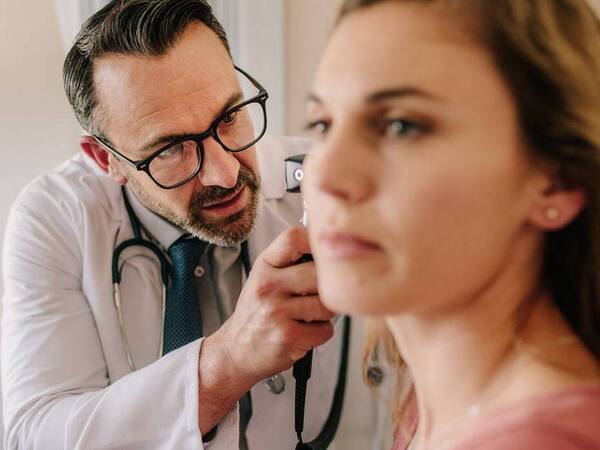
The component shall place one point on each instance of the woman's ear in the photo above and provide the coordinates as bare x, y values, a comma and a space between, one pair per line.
557, 207
96, 151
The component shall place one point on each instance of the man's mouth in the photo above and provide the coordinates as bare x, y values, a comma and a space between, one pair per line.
229, 205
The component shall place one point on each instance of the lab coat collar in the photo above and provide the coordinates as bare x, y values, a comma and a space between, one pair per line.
160, 229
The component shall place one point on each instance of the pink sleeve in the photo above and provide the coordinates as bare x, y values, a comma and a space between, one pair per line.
405, 432
536, 437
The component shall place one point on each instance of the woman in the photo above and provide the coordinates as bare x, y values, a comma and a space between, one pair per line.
454, 194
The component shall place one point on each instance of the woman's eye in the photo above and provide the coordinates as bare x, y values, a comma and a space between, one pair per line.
318, 127
401, 128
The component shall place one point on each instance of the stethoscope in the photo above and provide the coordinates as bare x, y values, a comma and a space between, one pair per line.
137, 241
274, 384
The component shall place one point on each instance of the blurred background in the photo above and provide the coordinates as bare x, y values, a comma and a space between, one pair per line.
278, 41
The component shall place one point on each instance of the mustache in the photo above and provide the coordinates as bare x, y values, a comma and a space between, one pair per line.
215, 193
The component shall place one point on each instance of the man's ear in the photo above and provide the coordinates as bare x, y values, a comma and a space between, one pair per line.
558, 206
96, 151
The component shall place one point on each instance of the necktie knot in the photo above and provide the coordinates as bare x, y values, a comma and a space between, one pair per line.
185, 255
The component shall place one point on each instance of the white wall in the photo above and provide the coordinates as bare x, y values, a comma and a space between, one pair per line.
308, 25
279, 42
37, 128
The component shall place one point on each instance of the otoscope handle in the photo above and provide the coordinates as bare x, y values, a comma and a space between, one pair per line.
302, 371
294, 173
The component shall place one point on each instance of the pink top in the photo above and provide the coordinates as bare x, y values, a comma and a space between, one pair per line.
568, 420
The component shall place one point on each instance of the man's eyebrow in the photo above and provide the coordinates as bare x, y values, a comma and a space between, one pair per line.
233, 99
385, 94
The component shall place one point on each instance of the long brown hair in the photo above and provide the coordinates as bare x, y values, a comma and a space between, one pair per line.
549, 54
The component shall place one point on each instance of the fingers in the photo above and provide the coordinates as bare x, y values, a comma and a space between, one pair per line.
294, 280
300, 279
311, 335
306, 309
287, 248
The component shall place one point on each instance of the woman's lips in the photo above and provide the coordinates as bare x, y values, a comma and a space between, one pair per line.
228, 206
339, 245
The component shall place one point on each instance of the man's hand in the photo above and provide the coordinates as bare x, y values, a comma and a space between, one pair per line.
279, 316
277, 320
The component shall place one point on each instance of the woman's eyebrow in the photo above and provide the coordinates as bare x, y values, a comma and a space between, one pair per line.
312, 97
386, 94
391, 93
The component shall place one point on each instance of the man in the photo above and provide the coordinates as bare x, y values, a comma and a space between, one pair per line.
171, 162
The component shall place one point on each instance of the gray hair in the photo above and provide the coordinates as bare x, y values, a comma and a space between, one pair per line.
127, 27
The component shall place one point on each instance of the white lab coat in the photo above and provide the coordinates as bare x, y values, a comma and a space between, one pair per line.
66, 380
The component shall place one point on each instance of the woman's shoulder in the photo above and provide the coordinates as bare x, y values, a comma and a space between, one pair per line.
566, 420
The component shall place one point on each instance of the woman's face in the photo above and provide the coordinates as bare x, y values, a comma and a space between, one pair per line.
418, 186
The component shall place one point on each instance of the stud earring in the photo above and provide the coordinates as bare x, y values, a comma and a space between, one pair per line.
552, 213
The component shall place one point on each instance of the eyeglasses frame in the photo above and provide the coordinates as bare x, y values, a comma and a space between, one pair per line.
143, 165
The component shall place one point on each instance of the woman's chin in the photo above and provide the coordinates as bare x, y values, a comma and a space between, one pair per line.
355, 302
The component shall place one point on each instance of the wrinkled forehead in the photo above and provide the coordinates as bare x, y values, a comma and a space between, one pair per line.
191, 82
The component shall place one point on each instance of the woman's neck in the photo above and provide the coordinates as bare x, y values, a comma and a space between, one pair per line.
468, 363
451, 364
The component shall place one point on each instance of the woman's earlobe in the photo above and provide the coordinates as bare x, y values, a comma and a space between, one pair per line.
558, 208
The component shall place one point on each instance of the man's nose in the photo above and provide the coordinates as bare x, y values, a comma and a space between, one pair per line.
219, 167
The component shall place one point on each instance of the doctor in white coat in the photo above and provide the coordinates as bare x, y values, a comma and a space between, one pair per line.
153, 82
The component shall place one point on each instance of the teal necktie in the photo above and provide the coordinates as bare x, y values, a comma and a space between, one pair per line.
183, 323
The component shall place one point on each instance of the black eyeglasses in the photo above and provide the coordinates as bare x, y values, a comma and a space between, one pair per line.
181, 160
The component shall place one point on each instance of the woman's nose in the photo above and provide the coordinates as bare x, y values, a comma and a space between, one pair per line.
219, 167
339, 166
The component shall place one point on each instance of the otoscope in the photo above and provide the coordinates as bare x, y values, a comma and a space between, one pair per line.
294, 174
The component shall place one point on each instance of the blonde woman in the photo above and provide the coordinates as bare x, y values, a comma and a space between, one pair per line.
454, 194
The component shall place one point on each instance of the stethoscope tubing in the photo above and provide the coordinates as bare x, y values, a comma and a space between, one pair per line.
116, 279
138, 241
328, 431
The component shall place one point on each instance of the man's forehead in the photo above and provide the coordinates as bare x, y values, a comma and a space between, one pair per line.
140, 80
184, 88
199, 58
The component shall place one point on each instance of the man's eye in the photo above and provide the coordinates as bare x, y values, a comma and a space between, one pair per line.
230, 117
171, 151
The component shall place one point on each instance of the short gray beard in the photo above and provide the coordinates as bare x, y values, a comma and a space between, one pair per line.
227, 232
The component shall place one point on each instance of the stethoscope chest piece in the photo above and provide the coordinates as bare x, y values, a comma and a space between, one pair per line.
375, 375
275, 384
